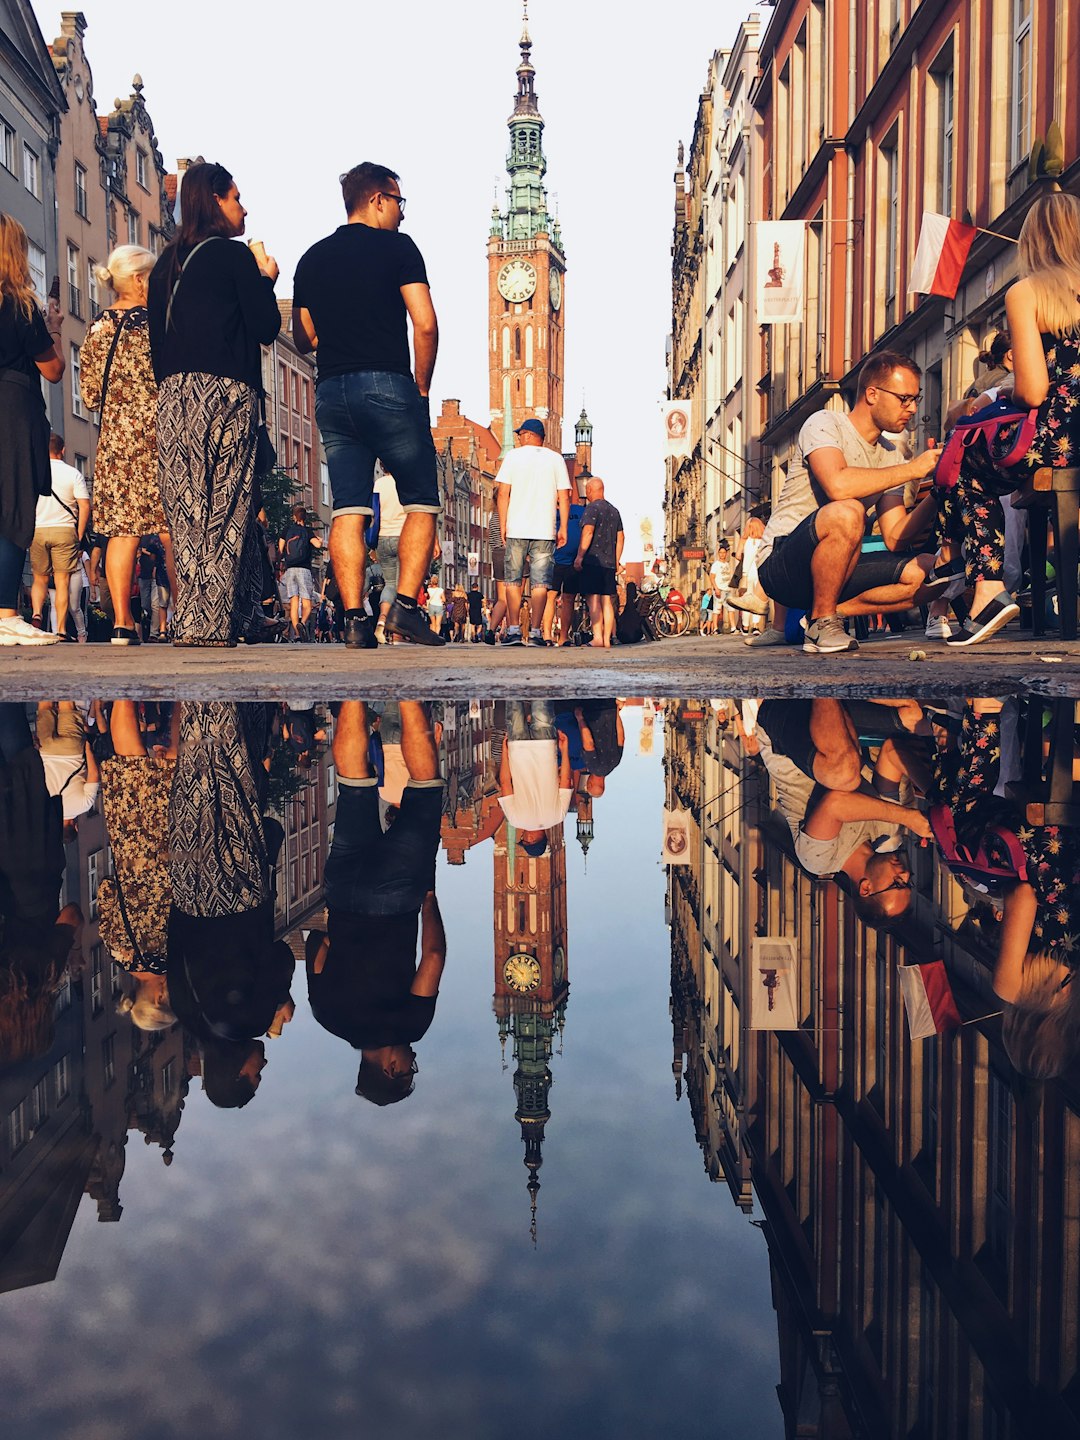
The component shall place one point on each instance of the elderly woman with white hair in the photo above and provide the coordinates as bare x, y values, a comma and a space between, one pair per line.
118, 380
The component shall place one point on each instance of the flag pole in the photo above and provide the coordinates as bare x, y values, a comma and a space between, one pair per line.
996, 234
992, 1016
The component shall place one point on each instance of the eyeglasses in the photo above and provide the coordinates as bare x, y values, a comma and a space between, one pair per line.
897, 884
906, 401
390, 195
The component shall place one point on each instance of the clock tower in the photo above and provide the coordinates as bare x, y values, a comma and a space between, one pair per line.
531, 981
526, 285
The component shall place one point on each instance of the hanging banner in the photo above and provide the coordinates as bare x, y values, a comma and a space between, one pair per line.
774, 994
779, 282
474, 564
677, 417
676, 846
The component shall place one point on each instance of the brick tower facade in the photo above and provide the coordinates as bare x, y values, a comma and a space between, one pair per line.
526, 279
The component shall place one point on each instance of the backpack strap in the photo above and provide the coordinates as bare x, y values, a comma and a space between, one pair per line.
108, 369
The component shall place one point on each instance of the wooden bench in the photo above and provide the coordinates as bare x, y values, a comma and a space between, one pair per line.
1046, 791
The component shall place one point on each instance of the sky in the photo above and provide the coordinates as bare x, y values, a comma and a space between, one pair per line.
288, 99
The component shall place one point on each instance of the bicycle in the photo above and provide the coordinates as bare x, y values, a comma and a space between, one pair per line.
670, 617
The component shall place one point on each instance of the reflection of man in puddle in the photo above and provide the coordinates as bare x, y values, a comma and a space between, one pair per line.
364, 981
535, 780
840, 825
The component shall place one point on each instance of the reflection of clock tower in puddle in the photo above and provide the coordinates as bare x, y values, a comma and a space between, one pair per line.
531, 984
526, 266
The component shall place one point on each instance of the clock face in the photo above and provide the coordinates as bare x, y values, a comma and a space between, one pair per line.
558, 965
521, 973
516, 280
555, 287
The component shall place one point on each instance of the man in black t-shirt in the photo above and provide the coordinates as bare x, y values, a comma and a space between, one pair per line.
295, 548
364, 981
352, 295
598, 560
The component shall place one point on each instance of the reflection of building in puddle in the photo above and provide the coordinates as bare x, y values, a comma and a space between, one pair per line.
915, 1195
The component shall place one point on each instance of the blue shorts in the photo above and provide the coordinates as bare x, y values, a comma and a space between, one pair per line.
541, 557
372, 873
371, 415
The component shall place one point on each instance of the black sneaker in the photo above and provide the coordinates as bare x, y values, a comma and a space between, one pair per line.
123, 635
995, 614
408, 625
489, 637
360, 633
942, 577
513, 637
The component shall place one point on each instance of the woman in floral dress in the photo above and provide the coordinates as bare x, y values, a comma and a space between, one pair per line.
127, 501
1043, 309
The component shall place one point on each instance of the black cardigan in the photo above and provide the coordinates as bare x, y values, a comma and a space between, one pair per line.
223, 311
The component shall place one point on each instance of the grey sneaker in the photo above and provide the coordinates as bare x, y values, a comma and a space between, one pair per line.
827, 636
766, 637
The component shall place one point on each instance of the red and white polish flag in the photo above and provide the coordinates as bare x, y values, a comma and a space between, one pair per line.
944, 246
928, 999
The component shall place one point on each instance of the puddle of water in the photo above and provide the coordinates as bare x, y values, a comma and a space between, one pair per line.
437, 1020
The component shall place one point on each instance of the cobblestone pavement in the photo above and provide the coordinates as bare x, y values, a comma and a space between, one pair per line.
693, 665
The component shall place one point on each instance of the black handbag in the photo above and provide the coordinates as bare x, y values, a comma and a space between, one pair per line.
265, 454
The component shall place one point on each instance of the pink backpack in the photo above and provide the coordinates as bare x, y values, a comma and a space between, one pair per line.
975, 865
988, 445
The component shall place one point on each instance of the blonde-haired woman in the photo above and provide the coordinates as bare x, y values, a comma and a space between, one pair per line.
1043, 310
28, 350
118, 381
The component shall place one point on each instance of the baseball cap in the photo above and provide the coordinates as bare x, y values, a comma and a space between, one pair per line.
535, 427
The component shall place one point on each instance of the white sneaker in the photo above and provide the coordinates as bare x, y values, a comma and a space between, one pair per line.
938, 628
15, 631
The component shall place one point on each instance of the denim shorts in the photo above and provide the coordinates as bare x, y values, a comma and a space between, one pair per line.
530, 720
541, 557
372, 873
388, 560
371, 415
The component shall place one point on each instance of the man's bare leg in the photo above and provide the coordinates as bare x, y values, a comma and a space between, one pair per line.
608, 609
415, 549
418, 748
513, 605
38, 592
351, 739
840, 526
348, 555
537, 606
566, 618
596, 620
838, 762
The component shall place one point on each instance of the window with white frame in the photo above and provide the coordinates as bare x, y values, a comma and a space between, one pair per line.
945, 81
133, 227
108, 1059
1020, 83
61, 1074
17, 1126
94, 875
92, 292
36, 257
82, 464
7, 146
80, 191
324, 482
31, 171
78, 409
890, 155
141, 172
74, 292
97, 978
39, 1103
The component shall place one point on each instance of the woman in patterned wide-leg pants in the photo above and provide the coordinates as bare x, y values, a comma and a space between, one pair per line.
207, 429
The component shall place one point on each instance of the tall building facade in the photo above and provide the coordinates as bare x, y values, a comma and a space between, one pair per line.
526, 279
32, 105
873, 116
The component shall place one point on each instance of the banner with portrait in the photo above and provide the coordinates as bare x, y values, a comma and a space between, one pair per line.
678, 440
779, 251
676, 844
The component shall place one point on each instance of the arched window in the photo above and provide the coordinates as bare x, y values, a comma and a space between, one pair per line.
506, 347
528, 345
517, 343
528, 392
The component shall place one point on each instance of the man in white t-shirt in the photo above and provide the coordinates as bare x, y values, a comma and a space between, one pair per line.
533, 498
843, 468
535, 780
71, 769
60, 523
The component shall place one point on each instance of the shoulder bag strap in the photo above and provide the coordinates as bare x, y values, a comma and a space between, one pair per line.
127, 923
108, 368
187, 262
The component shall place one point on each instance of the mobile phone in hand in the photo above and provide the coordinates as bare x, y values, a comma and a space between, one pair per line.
54, 288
